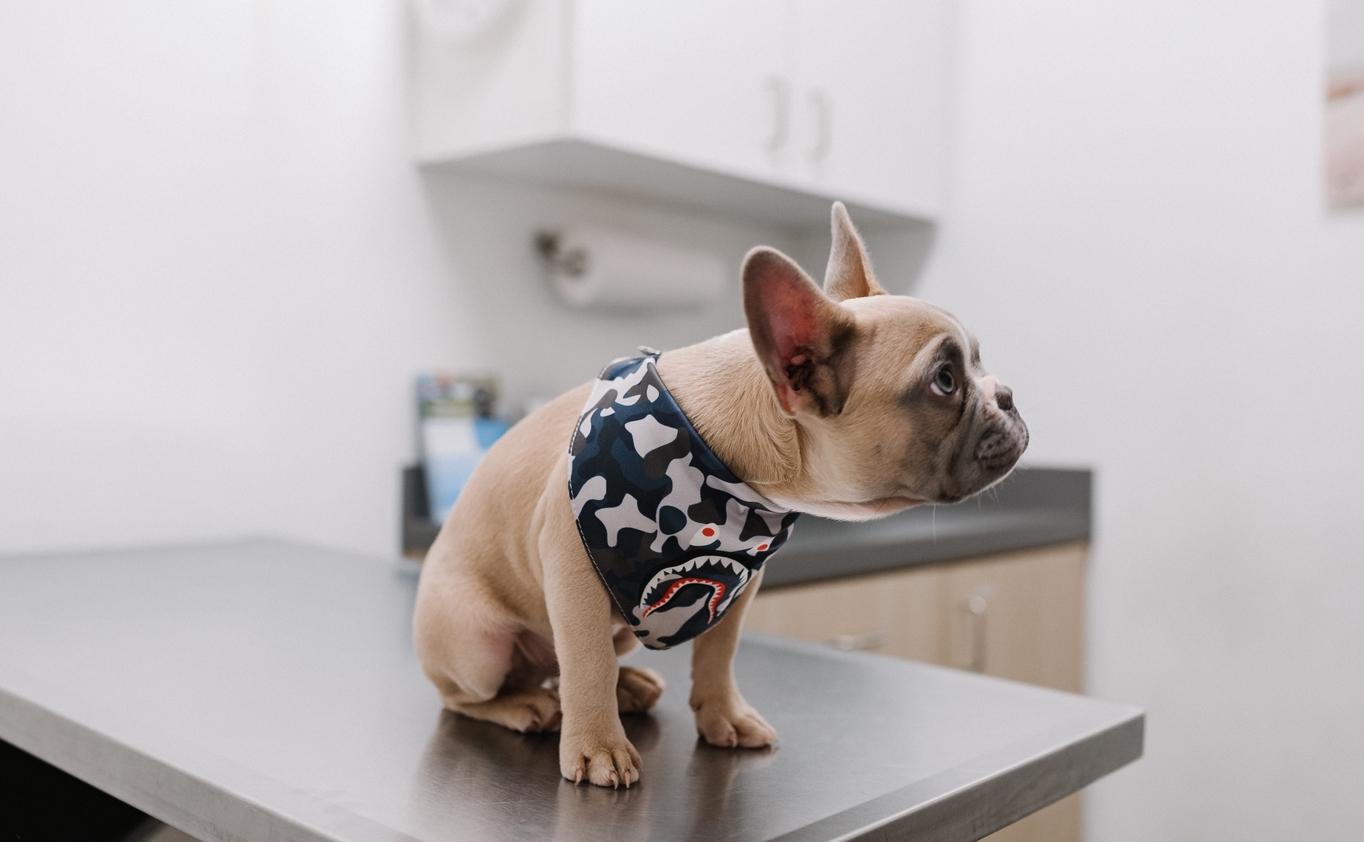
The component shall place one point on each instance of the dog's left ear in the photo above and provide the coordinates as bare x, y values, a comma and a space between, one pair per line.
849, 273
802, 338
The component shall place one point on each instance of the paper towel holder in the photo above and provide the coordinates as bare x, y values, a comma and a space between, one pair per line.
572, 262
592, 267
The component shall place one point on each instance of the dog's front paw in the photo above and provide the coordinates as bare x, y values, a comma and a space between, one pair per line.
729, 721
608, 760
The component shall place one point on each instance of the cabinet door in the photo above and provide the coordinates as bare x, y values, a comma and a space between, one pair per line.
894, 614
870, 102
1019, 616
703, 82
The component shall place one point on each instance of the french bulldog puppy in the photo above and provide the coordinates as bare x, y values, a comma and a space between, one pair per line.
845, 402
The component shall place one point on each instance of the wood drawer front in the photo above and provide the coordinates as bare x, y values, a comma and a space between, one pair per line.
893, 614
1018, 616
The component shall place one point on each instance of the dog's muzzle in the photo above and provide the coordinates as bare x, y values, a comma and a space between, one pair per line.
999, 449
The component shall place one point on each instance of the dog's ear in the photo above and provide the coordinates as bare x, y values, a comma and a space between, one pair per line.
849, 273
801, 337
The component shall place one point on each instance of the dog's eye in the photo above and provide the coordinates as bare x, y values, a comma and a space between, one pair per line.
944, 383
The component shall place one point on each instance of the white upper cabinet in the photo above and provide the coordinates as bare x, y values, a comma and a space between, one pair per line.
695, 81
771, 108
870, 83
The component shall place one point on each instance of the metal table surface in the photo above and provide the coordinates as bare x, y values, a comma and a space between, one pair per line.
267, 690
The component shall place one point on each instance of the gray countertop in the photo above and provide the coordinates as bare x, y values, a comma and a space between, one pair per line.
269, 690
1034, 507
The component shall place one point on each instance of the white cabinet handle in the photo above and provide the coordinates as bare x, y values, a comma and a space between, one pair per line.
865, 642
977, 608
824, 127
780, 93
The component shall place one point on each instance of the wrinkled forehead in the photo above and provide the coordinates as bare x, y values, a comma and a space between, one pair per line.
906, 328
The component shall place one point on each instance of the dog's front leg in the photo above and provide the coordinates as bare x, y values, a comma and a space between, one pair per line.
723, 718
592, 742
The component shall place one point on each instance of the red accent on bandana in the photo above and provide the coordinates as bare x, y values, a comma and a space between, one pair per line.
711, 605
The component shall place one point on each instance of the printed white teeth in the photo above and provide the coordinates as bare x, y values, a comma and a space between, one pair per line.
679, 570
734, 567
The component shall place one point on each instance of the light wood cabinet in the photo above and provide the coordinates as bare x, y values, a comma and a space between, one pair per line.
894, 614
1018, 616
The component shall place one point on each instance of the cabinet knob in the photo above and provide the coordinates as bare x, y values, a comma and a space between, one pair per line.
779, 91
822, 108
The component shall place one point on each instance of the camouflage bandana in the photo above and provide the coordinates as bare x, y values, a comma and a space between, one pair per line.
674, 535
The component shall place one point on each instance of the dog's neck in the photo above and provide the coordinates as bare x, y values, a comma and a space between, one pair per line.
725, 393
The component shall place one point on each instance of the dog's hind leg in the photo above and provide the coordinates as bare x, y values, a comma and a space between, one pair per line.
484, 684
470, 653
638, 689
530, 710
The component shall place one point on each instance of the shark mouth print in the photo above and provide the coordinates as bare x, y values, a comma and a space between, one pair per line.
724, 577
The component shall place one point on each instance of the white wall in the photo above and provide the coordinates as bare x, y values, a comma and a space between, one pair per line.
219, 273
1136, 233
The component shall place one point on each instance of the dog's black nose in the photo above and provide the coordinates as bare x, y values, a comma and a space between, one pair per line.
1004, 396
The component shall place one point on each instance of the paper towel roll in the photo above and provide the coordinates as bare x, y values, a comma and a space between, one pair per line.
606, 269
